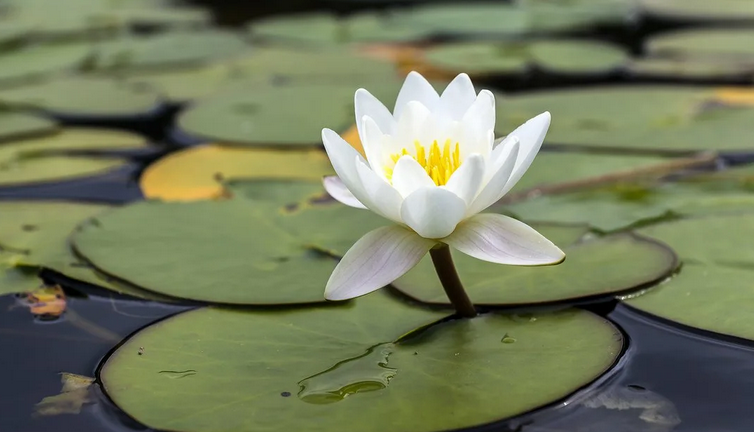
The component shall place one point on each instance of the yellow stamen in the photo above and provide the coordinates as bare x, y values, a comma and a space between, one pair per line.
439, 164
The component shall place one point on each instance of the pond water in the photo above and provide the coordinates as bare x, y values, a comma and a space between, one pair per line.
637, 110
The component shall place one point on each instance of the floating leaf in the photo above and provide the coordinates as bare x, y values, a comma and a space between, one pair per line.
17, 125
700, 54
234, 250
43, 159
214, 369
322, 29
166, 50
83, 96
35, 235
263, 115
73, 396
649, 119
712, 291
559, 56
615, 264
720, 10
185, 84
31, 64
200, 172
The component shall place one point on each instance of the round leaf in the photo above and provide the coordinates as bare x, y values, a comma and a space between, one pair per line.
83, 96
722, 10
712, 291
16, 125
647, 119
215, 370
226, 252
199, 172
29, 64
615, 264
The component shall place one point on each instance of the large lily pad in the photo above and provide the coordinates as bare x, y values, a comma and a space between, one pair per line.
321, 29
647, 119
492, 58
200, 172
34, 235
44, 159
16, 125
615, 264
700, 10
172, 49
256, 114
214, 370
83, 96
29, 64
227, 252
700, 54
620, 205
712, 291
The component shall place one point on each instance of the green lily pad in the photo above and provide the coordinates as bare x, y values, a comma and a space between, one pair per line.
615, 264
712, 291
168, 50
17, 125
560, 56
257, 114
551, 168
44, 159
234, 249
648, 119
700, 10
83, 96
34, 235
699, 54
467, 19
185, 84
613, 207
322, 29
26, 65
214, 370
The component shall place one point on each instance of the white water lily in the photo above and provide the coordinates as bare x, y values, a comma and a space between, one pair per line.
431, 167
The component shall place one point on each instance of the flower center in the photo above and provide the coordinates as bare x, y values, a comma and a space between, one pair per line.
439, 164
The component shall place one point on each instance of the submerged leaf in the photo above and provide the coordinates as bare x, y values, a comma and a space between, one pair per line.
74, 394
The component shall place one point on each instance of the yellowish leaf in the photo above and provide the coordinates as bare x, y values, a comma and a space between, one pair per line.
74, 394
735, 96
200, 173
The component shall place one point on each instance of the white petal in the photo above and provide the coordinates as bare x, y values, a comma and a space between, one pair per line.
410, 124
415, 88
377, 259
500, 239
384, 199
530, 134
432, 212
458, 96
335, 187
342, 156
480, 116
409, 176
368, 105
373, 140
503, 161
467, 179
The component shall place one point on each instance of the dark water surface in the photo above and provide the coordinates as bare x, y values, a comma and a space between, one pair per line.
670, 378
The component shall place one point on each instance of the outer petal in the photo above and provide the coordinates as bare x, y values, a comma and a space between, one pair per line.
409, 125
458, 96
530, 134
335, 187
383, 198
409, 176
503, 240
368, 105
433, 212
504, 159
415, 88
342, 157
377, 259
468, 177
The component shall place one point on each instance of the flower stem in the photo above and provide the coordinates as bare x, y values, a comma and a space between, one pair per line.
450, 281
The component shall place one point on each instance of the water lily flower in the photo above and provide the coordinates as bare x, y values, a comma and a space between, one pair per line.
431, 167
